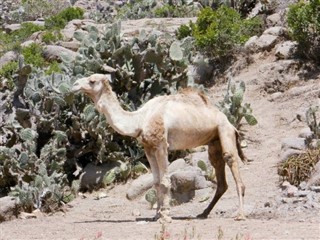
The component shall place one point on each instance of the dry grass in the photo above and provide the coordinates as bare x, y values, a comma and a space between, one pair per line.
298, 168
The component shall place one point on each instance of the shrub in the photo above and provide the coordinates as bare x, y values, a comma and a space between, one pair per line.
219, 32
304, 26
13, 40
51, 36
34, 9
184, 31
6, 72
165, 11
33, 55
62, 18
298, 168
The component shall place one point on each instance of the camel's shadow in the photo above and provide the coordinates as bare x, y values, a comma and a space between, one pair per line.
146, 219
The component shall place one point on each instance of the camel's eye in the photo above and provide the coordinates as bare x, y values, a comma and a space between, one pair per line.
91, 82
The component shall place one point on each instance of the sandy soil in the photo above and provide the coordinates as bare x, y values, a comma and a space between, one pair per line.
114, 217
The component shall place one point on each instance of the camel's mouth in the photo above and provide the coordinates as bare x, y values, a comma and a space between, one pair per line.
76, 88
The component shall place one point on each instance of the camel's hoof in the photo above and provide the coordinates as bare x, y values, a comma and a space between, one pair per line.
202, 216
240, 217
164, 219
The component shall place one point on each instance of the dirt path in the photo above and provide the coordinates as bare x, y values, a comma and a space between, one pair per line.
114, 217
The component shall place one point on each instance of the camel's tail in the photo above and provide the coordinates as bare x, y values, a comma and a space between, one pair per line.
240, 152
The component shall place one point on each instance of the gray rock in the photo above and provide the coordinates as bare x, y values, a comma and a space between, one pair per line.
315, 177
139, 186
9, 208
74, 45
8, 57
11, 27
27, 43
92, 176
286, 50
266, 42
284, 155
276, 31
52, 52
251, 45
273, 20
292, 191
293, 143
176, 165
305, 133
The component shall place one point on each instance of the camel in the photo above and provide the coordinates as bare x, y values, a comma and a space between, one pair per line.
173, 122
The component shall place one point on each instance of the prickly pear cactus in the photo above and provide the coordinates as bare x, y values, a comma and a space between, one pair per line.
232, 106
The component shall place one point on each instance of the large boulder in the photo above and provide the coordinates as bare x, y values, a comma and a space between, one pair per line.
8, 57
185, 180
286, 50
53, 52
9, 208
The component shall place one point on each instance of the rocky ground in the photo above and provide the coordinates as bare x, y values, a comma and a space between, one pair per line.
272, 212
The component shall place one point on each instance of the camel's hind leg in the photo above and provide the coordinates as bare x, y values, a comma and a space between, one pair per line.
230, 155
215, 157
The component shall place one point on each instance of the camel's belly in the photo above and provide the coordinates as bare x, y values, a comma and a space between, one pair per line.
189, 139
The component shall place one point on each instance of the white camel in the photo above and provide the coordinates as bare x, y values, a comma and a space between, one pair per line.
175, 122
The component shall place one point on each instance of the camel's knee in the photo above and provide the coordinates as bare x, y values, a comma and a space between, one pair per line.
229, 159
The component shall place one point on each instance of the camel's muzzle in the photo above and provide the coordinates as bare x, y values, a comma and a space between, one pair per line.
76, 87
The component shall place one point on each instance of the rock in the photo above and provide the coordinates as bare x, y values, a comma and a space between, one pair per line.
139, 186
305, 133
250, 45
27, 43
74, 45
266, 42
315, 177
92, 176
273, 20
184, 182
8, 57
9, 208
276, 31
286, 50
11, 27
292, 191
284, 155
176, 165
185, 179
293, 143
52, 52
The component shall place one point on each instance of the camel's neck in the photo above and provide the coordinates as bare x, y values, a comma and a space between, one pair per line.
125, 123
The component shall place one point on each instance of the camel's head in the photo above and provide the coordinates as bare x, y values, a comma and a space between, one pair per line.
92, 85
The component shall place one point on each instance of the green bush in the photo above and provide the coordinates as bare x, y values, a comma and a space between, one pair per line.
13, 40
34, 9
304, 26
219, 32
7, 71
33, 55
49, 37
184, 31
62, 18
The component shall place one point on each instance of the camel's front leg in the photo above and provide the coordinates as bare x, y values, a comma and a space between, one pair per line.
164, 196
150, 153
